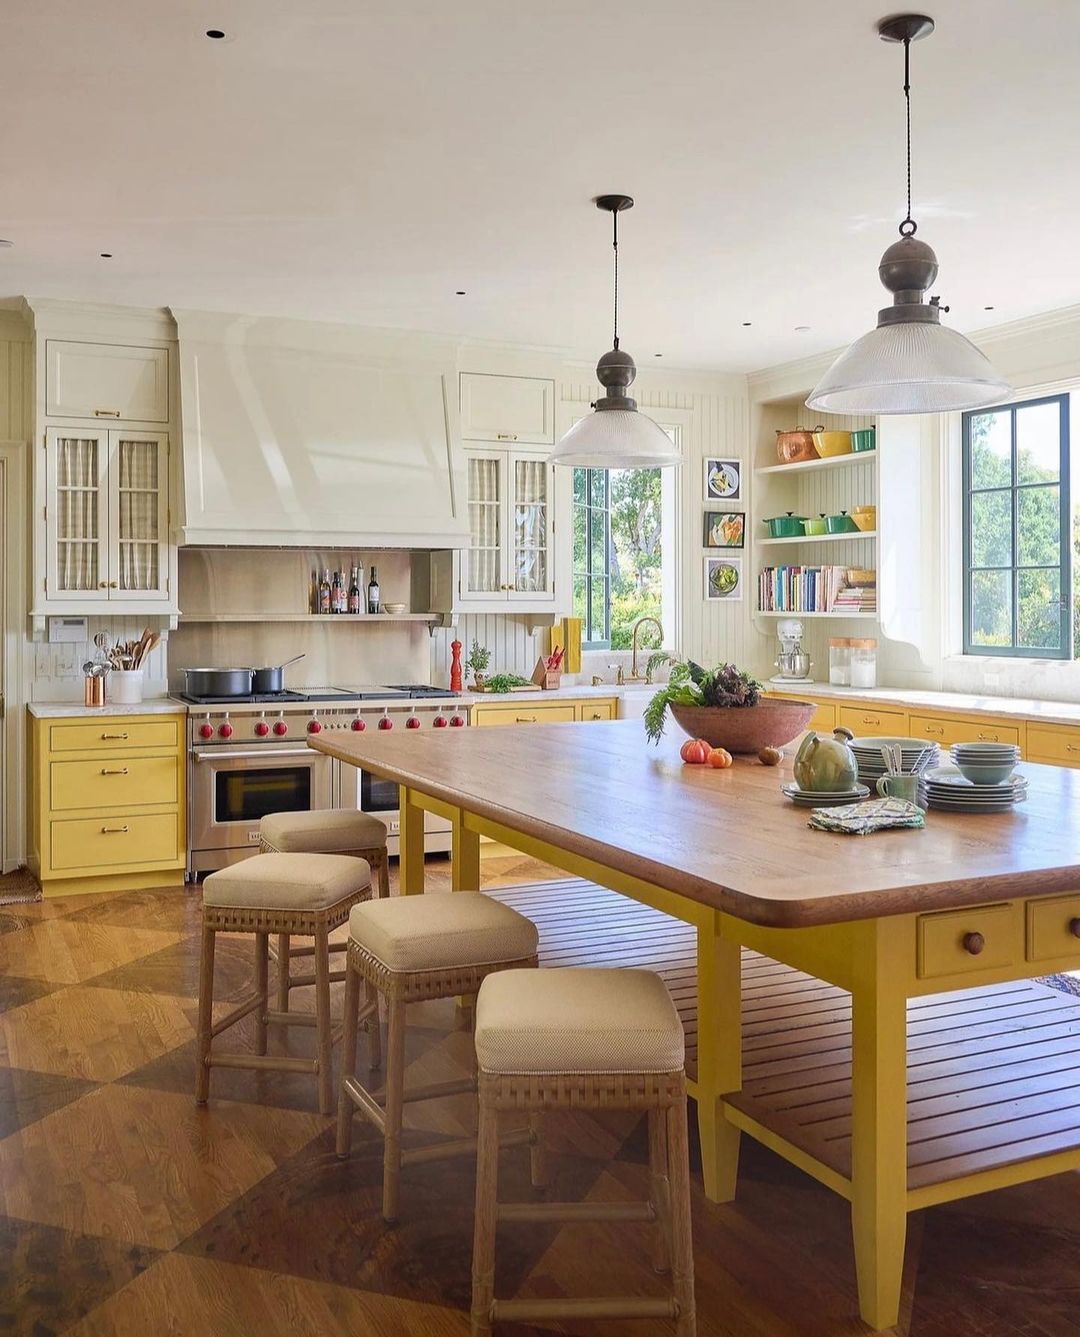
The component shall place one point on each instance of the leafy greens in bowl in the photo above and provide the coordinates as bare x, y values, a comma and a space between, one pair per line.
692, 685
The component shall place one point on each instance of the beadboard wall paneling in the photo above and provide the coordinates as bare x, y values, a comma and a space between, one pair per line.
513, 646
55, 672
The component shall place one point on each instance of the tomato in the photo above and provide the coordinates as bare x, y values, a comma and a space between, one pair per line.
695, 751
770, 756
721, 758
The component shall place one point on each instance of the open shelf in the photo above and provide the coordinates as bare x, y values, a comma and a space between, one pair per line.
820, 538
329, 618
787, 612
814, 466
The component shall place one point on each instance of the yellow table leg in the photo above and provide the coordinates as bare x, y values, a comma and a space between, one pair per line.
464, 856
719, 1056
411, 845
879, 1119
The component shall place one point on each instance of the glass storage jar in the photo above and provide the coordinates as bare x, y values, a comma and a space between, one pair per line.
840, 661
863, 663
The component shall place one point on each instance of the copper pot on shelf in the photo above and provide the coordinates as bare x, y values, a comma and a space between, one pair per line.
797, 446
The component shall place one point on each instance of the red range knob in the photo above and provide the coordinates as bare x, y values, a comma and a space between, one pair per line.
226, 730
412, 722
261, 728
206, 731
386, 722
439, 722
358, 725
314, 726
456, 722
280, 728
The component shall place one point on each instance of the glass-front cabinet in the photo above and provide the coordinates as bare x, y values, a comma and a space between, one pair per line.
511, 523
106, 516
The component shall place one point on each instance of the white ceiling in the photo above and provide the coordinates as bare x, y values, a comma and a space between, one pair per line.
359, 161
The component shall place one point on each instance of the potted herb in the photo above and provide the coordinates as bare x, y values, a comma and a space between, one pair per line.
724, 706
478, 660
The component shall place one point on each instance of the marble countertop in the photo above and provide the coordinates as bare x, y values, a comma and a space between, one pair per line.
75, 710
1025, 708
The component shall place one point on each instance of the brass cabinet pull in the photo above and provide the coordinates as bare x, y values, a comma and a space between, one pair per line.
988, 738
114, 770
506, 436
973, 943
930, 728
524, 719
106, 413
596, 715
1074, 927
1070, 747
870, 719
114, 830
106, 736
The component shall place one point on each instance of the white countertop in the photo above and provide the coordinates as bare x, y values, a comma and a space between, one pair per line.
569, 693
75, 710
1047, 712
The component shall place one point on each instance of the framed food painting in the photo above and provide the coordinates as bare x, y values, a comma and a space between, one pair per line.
724, 529
723, 480
723, 578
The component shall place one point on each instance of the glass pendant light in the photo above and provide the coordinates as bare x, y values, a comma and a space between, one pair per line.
911, 363
615, 435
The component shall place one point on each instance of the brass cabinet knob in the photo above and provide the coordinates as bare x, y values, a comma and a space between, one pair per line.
102, 585
973, 943
114, 584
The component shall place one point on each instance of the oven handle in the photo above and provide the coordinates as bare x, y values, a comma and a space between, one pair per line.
262, 753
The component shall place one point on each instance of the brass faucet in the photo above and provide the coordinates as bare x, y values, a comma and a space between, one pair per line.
634, 675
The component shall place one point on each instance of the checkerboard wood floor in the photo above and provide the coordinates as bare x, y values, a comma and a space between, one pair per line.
129, 1212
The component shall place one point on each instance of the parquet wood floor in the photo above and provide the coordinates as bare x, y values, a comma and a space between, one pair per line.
125, 1211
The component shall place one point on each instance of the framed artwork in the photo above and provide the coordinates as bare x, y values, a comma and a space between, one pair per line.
723, 480
724, 578
724, 529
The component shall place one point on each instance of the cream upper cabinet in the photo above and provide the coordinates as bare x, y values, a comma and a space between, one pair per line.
517, 410
109, 382
510, 558
106, 517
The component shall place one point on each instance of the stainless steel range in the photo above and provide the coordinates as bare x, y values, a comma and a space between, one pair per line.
248, 756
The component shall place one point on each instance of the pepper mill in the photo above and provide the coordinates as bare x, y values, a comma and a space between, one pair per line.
455, 666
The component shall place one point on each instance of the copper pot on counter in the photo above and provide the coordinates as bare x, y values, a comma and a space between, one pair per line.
796, 446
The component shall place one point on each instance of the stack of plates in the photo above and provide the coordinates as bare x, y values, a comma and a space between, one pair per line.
944, 788
809, 798
872, 763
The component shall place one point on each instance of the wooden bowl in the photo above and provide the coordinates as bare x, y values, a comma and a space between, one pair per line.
771, 723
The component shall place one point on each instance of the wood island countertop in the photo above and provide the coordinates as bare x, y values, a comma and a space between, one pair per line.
728, 838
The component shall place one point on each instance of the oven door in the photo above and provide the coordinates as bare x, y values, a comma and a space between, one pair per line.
231, 789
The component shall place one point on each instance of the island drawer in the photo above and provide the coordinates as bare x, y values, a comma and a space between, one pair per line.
114, 782
1053, 928
955, 942
942, 729
542, 713
863, 720
1057, 744
115, 842
111, 735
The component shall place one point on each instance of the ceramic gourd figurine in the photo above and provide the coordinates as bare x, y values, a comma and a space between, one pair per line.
826, 764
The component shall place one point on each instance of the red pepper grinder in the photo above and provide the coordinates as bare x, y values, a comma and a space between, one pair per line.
455, 666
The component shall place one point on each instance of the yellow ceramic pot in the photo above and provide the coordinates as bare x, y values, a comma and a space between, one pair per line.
865, 517
832, 443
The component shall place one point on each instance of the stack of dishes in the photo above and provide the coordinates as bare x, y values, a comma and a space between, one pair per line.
810, 798
915, 754
945, 789
985, 763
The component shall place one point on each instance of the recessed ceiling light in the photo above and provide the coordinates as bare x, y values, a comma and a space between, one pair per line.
105, 255
747, 324
460, 292
802, 329
215, 34
988, 308
658, 355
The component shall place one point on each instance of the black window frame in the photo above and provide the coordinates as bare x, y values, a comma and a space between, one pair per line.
1064, 567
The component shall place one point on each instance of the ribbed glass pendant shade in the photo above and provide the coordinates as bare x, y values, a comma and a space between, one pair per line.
616, 439
916, 367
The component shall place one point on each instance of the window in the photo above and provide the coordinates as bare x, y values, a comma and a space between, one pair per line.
624, 551
1017, 568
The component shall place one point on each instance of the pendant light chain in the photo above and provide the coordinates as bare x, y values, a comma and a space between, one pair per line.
908, 227
615, 248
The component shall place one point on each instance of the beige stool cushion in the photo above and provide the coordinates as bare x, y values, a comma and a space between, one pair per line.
331, 831
461, 928
288, 882
577, 1020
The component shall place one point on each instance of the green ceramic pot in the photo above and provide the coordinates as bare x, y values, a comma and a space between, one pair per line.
820, 525
863, 440
786, 526
841, 524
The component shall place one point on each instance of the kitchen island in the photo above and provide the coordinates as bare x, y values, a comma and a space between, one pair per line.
957, 910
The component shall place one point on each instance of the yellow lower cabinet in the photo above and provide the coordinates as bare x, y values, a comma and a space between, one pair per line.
824, 718
1053, 930
1058, 744
113, 782
959, 942
113, 734
543, 712
945, 730
597, 710
868, 721
102, 843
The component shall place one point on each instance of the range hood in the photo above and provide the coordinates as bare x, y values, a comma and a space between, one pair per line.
303, 434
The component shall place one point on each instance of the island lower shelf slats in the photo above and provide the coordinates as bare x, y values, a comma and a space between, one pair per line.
993, 1072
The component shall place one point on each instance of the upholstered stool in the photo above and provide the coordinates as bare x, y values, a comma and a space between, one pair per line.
307, 894
327, 831
584, 1039
409, 949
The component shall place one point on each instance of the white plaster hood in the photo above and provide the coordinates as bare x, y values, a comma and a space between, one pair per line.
299, 433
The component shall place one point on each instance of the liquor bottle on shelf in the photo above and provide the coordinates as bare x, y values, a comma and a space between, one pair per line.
335, 593
373, 592
324, 591
354, 591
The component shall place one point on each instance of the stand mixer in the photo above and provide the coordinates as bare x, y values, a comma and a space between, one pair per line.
792, 663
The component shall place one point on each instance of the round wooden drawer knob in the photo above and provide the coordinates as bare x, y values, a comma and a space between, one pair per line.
973, 943
1074, 927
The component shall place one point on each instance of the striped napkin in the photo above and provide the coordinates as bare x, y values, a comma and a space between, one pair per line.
862, 819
